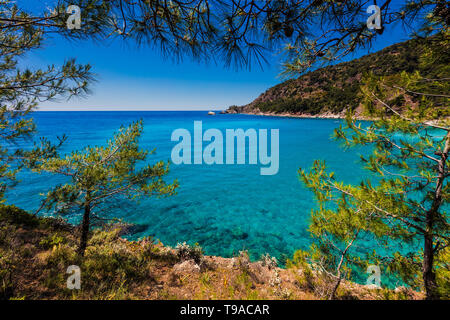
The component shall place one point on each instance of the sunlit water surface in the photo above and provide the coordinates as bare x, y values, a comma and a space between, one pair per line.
224, 208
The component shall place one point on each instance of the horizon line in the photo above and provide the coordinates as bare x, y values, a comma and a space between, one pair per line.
125, 110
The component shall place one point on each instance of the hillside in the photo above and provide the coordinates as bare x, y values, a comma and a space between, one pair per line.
35, 253
331, 90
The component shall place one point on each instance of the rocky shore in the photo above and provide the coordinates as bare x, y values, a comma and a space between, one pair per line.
323, 115
36, 252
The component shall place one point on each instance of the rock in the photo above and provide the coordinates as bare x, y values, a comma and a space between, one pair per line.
401, 289
233, 263
188, 266
261, 273
372, 286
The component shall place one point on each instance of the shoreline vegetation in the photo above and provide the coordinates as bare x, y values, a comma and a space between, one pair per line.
326, 115
329, 92
403, 208
37, 251
403, 89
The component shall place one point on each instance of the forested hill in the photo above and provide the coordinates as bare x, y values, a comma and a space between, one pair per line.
333, 89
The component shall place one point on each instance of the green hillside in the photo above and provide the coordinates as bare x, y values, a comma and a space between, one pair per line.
335, 88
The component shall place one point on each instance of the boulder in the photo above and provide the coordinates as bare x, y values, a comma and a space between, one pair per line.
188, 266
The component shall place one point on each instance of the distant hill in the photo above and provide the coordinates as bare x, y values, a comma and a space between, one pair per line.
331, 90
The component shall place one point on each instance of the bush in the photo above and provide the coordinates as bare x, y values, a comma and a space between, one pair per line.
187, 252
17, 216
243, 261
62, 256
52, 240
6, 282
268, 261
306, 276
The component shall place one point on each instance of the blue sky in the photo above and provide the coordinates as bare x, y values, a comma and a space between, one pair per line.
137, 78
132, 78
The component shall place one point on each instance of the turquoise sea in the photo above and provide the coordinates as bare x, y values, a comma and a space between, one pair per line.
225, 208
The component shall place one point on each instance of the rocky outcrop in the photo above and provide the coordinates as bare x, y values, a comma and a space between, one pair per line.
188, 266
330, 91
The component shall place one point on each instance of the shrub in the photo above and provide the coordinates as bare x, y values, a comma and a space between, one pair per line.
187, 252
114, 261
100, 237
17, 216
52, 240
268, 261
306, 276
243, 260
6, 283
62, 256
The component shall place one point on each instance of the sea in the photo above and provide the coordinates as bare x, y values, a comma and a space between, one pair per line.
224, 208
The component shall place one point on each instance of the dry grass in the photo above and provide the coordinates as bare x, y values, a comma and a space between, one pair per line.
35, 253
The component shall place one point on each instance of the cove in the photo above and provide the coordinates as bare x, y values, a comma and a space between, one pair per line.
225, 208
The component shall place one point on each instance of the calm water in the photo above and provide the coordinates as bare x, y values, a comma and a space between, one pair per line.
225, 208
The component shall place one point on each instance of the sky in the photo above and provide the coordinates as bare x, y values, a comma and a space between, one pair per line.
139, 78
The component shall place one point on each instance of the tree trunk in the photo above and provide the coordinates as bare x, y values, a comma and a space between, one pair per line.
84, 229
336, 286
429, 277
339, 273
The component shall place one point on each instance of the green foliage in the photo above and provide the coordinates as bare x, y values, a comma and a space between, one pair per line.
205, 279
335, 88
21, 218
239, 34
407, 205
99, 174
22, 88
102, 236
185, 28
17, 216
300, 262
107, 263
198, 29
52, 241
312, 269
61, 256
111, 264
443, 273
6, 270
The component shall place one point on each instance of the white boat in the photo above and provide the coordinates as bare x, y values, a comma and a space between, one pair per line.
211, 113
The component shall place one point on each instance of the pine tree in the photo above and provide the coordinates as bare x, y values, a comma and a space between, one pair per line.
238, 33
99, 175
22, 89
406, 208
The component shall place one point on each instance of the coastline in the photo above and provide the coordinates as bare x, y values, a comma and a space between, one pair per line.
326, 115
42, 249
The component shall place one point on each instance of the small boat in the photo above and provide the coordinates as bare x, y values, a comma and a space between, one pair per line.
211, 113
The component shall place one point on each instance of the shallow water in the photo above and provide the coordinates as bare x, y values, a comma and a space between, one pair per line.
225, 208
